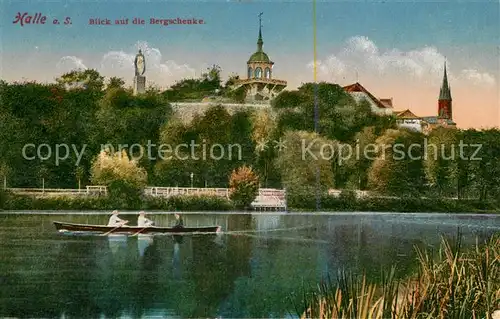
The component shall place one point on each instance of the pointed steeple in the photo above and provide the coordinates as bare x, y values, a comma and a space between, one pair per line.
445, 93
259, 41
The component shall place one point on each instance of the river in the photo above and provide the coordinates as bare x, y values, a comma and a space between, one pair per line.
258, 267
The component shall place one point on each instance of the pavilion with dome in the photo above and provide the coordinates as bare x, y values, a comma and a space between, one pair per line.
259, 84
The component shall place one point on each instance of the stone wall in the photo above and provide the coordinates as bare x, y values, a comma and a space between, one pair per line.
186, 111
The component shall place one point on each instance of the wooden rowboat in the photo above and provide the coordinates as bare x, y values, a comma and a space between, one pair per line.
70, 227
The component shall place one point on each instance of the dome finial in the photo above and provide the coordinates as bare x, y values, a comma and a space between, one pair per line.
259, 41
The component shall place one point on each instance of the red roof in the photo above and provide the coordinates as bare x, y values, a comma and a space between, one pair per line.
386, 102
356, 87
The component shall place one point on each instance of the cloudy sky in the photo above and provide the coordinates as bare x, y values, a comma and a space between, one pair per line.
396, 49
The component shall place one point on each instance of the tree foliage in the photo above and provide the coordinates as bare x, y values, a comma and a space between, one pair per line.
86, 112
304, 157
243, 186
398, 168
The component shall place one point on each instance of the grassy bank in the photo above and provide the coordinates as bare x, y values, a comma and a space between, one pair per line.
450, 283
347, 202
179, 203
296, 203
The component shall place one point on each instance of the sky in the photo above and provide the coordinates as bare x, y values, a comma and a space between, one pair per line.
395, 49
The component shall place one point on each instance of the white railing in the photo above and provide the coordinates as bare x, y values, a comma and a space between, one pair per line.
269, 202
175, 191
267, 197
280, 193
89, 190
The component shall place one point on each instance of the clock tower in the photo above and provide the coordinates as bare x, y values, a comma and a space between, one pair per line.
139, 78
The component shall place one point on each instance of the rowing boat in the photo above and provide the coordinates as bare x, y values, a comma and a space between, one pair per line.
70, 227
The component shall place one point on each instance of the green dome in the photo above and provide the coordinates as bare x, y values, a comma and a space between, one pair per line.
259, 56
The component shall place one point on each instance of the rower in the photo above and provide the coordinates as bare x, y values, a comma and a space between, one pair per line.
179, 223
142, 221
114, 220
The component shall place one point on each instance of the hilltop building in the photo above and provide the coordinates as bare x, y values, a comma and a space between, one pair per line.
378, 106
260, 84
407, 118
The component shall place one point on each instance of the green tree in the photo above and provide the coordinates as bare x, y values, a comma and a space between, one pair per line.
124, 178
361, 160
87, 79
398, 168
487, 160
264, 135
115, 83
441, 158
302, 156
338, 115
172, 167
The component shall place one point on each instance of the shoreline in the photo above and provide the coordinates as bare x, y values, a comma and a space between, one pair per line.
300, 204
250, 212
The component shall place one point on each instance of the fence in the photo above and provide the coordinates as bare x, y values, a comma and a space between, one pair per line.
268, 198
89, 190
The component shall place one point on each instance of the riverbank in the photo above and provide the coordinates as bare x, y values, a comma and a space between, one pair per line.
296, 203
14, 202
373, 204
449, 283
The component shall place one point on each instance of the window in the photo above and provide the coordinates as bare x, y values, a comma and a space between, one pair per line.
249, 73
258, 73
267, 73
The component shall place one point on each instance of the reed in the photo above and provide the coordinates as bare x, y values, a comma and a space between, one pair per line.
449, 283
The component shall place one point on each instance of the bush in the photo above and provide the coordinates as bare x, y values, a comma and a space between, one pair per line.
179, 203
348, 202
123, 193
243, 187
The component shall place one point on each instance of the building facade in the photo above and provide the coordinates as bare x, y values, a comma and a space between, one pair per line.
407, 118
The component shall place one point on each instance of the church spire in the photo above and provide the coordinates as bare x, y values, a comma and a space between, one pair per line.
444, 102
445, 93
259, 41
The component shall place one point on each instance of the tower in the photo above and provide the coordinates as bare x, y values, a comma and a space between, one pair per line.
259, 84
259, 65
444, 102
140, 69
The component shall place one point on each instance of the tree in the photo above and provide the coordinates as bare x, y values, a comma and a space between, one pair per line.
303, 155
398, 168
264, 135
243, 187
361, 161
77, 79
487, 161
171, 168
213, 75
124, 178
115, 82
337, 114
441, 161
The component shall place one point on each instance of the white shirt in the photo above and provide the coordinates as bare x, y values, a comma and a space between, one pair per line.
114, 220
144, 222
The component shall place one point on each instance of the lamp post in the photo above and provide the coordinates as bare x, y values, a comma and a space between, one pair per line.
192, 179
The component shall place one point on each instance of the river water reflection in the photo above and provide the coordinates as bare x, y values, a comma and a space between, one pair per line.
257, 267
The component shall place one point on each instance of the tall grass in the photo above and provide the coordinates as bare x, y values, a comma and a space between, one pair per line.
449, 283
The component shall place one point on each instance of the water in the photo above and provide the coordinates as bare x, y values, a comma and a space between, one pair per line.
258, 267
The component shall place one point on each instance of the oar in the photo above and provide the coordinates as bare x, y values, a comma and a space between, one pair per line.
137, 233
107, 233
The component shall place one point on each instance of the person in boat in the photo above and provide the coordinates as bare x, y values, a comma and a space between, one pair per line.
179, 223
142, 221
114, 220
